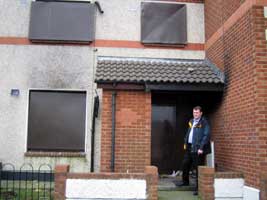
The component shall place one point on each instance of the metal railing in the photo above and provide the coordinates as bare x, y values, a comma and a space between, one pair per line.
26, 183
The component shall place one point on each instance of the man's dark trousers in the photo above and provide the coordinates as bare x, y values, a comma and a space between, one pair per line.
191, 160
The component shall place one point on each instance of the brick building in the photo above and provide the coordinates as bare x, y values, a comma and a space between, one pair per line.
48, 67
236, 43
148, 73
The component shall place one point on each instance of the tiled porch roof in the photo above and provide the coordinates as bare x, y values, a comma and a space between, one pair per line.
151, 70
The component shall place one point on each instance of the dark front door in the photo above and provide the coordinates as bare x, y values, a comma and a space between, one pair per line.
168, 130
164, 138
171, 113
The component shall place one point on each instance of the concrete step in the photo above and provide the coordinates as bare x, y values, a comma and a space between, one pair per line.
168, 184
177, 195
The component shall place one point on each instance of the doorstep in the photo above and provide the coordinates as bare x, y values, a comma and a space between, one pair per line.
167, 183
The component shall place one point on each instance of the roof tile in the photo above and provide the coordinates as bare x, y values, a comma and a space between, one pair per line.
140, 70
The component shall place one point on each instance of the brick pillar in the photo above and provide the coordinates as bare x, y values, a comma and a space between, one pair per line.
61, 172
152, 182
206, 182
263, 186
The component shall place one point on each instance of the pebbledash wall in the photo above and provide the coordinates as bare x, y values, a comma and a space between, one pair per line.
236, 42
26, 66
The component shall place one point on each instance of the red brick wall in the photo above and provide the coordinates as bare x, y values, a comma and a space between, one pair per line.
207, 175
260, 63
263, 186
206, 182
133, 131
217, 12
234, 123
239, 127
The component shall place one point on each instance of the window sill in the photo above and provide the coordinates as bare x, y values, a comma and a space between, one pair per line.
54, 154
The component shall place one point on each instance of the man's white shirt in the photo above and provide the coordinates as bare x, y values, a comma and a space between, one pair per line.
190, 138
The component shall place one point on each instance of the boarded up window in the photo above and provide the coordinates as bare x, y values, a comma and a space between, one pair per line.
62, 21
163, 23
56, 121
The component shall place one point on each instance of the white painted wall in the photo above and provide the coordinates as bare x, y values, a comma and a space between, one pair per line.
14, 17
54, 67
234, 189
105, 189
251, 193
126, 21
41, 67
228, 188
120, 21
150, 53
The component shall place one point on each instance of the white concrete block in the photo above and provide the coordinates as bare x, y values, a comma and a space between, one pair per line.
210, 157
105, 189
265, 11
229, 198
251, 193
228, 188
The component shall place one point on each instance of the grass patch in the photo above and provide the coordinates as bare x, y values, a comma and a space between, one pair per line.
24, 194
30, 190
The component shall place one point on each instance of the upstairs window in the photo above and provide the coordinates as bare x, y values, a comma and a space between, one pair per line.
62, 21
56, 121
163, 23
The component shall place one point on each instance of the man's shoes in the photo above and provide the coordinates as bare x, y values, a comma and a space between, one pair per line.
195, 193
182, 184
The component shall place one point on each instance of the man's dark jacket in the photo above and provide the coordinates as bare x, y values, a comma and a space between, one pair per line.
201, 136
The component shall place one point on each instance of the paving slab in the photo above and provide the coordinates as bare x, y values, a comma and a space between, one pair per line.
167, 183
177, 195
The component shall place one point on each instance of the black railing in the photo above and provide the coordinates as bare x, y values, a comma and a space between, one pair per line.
26, 183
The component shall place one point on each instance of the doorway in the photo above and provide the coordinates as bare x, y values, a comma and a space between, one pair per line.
170, 115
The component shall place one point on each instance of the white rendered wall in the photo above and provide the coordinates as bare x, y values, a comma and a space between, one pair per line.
234, 189
105, 189
120, 21
14, 17
124, 24
226, 189
40, 67
68, 67
251, 193
150, 53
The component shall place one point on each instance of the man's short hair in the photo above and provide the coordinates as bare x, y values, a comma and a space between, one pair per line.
198, 108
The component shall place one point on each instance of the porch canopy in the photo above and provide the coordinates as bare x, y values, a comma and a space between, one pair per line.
158, 74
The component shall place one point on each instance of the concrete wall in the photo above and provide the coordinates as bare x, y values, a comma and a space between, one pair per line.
124, 24
40, 67
106, 189
226, 186
27, 66
106, 185
129, 12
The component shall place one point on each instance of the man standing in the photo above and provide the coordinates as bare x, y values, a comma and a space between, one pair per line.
196, 145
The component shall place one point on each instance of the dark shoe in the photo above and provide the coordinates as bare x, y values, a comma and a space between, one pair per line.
195, 193
182, 184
